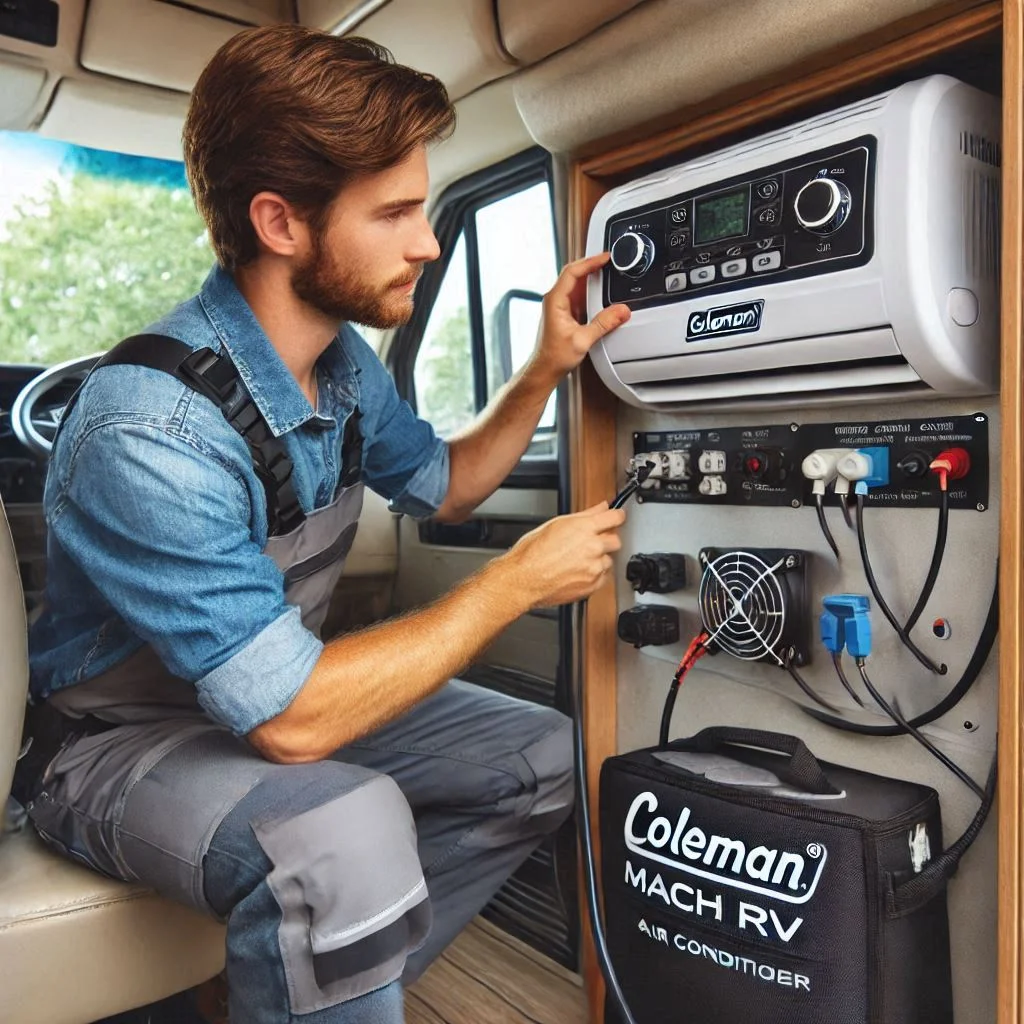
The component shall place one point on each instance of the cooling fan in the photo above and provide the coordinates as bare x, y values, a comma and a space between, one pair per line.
753, 603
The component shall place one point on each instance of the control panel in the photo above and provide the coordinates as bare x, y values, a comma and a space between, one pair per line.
806, 216
791, 464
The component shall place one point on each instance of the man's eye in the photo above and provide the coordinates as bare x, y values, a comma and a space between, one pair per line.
395, 215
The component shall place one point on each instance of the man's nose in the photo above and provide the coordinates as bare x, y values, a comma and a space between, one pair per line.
425, 248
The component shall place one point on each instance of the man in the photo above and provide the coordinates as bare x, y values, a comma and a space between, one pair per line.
343, 807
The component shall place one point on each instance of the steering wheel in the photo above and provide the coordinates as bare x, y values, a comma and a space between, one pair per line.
34, 419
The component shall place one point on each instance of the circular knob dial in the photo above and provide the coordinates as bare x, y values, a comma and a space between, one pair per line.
822, 205
632, 254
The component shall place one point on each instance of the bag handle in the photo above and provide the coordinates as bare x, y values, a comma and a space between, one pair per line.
802, 770
913, 894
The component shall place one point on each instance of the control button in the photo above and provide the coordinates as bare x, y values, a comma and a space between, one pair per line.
632, 254
679, 240
680, 215
734, 268
702, 275
703, 257
675, 282
962, 305
822, 205
768, 215
765, 261
768, 189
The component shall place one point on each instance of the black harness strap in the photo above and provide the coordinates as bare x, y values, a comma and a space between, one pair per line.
215, 376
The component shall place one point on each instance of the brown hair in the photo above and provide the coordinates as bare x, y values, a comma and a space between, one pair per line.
298, 112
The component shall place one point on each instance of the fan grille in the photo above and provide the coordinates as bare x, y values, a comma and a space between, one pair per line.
743, 605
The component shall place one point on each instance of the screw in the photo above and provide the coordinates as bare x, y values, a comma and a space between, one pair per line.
794, 427
795, 503
980, 418
981, 506
970, 726
790, 562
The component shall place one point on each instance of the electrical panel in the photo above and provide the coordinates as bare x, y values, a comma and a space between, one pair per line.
764, 465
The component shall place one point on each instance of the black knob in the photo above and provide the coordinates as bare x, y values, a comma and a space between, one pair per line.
660, 573
822, 205
632, 254
649, 624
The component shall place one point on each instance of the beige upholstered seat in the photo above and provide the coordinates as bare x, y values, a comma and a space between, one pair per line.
75, 946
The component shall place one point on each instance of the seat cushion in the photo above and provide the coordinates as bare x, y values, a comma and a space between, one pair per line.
76, 946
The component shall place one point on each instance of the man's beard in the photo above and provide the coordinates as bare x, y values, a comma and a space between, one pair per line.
321, 283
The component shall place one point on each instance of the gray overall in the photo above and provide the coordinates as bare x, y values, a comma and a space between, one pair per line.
322, 871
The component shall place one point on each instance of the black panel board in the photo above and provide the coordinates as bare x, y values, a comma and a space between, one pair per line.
781, 448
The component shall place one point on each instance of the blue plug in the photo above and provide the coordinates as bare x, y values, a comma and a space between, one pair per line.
846, 623
878, 476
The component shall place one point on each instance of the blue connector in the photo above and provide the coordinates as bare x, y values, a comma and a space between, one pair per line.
846, 623
878, 475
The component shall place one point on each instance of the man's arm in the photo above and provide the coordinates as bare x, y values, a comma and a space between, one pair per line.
363, 680
483, 455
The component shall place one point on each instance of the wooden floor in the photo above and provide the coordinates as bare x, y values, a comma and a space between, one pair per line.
487, 977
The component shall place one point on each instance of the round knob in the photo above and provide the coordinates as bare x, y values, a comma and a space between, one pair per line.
822, 205
632, 254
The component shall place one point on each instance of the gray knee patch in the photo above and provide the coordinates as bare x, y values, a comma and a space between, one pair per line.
350, 886
550, 759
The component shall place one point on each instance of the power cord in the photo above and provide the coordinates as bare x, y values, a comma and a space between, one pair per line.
694, 653
893, 711
823, 522
901, 631
583, 825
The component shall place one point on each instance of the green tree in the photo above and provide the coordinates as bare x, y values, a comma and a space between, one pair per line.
93, 260
444, 375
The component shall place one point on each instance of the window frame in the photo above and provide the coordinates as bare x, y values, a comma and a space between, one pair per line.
455, 213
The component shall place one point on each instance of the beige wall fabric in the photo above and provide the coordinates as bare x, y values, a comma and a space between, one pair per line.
668, 54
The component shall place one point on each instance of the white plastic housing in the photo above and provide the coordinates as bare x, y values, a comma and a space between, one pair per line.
887, 327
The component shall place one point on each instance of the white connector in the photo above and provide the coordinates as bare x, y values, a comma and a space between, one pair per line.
854, 466
712, 486
711, 462
820, 467
672, 465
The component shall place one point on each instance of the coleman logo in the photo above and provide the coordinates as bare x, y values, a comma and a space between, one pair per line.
744, 318
781, 875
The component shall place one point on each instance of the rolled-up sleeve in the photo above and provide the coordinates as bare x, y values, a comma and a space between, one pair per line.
404, 460
159, 521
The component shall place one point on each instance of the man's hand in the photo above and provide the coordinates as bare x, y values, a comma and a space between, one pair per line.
563, 341
567, 558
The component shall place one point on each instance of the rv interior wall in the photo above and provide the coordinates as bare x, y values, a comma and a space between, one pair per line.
627, 686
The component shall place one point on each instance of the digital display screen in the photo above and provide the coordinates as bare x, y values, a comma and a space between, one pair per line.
721, 216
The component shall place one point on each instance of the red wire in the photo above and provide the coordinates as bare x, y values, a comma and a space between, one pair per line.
693, 654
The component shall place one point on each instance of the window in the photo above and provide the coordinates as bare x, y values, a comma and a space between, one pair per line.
93, 247
482, 326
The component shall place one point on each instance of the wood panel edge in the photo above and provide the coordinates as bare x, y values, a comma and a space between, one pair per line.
1010, 968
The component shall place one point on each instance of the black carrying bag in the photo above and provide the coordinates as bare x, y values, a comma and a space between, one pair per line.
745, 881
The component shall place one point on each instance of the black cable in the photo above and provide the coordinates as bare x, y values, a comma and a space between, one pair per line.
837, 664
970, 675
844, 505
611, 981
823, 523
893, 711
937, 554
666, 711
886, 610
806, 687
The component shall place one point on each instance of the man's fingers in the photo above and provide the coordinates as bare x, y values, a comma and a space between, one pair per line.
610, 519
576, 271
605, 322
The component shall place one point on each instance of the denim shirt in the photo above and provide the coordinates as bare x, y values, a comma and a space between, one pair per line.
157, 521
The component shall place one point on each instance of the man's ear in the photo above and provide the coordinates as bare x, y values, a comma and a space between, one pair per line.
279, 229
